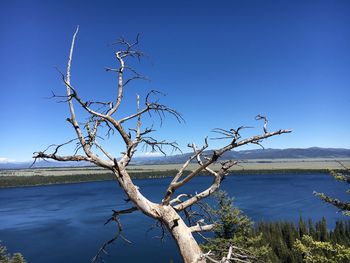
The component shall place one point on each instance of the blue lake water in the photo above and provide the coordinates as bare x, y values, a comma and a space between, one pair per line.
65, 223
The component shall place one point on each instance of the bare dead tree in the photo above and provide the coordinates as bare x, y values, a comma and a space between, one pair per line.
171, 210
234, 254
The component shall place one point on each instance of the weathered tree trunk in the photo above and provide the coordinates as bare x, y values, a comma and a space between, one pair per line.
188, 246
88, 137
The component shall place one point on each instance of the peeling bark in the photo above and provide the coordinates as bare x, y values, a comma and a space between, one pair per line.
188, 246
167, 210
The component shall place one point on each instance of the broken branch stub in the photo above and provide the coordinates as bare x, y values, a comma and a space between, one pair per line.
167, 211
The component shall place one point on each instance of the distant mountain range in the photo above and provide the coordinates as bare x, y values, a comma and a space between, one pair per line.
41, 164
291, 153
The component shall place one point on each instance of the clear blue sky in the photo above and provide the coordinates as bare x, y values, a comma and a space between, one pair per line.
220, 62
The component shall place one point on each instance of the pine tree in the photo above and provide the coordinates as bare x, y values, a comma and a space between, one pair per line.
323, 230
6, 257
342, 176
234, 228
312, 231
281, 237
321, 252
18, 258
302, 228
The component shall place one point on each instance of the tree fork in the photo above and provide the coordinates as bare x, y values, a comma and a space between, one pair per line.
167, 210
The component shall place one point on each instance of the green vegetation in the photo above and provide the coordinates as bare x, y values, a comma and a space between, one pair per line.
7, 258
48, 176
234, 228
279, 171
282, 237
321, 252
277, 242
342, 176
13, 181
333, 247
63, 175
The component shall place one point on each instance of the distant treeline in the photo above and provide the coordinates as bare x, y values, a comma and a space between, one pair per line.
278, 171
281, 236
17, 181
34, 180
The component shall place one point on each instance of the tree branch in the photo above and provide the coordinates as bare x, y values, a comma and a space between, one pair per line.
101, 116
217, 176
73, 119
171, 188
42, 155
201, 228
115, 218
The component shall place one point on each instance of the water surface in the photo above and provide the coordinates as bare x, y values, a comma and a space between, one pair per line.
65, 223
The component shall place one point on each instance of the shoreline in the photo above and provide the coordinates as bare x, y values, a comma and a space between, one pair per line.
15, 181
71, 175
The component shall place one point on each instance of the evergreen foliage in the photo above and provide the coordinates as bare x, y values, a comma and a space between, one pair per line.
276, 242
7, 258
233, 228
321, 252
18, 181
342, 176
17, 258
282, 237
